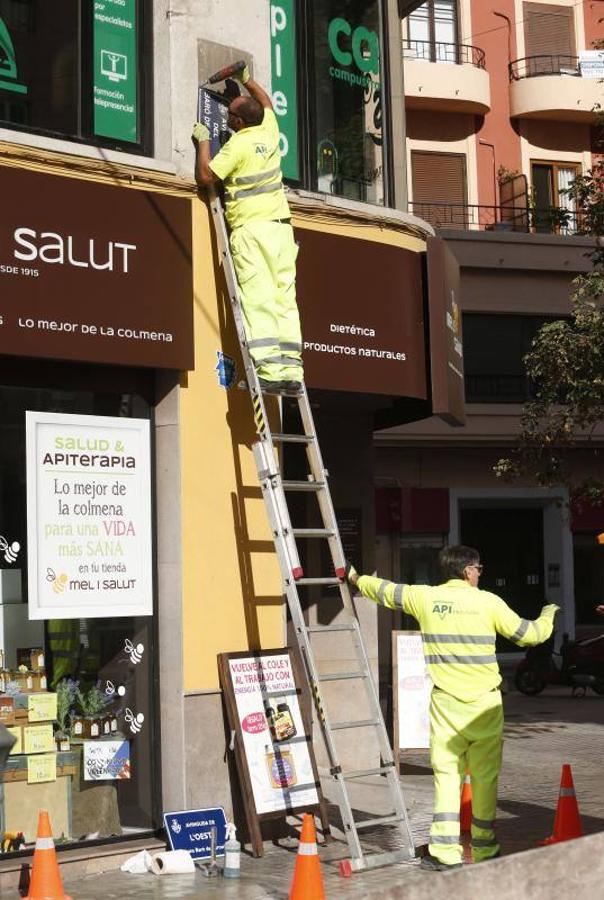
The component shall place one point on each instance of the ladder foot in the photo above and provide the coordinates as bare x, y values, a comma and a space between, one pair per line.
345, 868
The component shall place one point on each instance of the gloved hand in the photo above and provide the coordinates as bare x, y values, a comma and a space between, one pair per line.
550, 609
200, 133
351, 573
243, 75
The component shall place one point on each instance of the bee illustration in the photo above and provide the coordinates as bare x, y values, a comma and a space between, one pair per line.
58, 581
135, 653
9, 551
134, 721
110, 689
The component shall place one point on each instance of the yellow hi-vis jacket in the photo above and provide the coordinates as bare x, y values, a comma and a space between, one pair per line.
249, 164
459, 624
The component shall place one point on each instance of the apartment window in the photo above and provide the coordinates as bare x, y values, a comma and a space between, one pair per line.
494, 348
345, 98
439, 188
554, 210
73, 69
549, 38
432, 31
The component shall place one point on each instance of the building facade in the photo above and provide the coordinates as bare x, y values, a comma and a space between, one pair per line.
501, 116
135, 546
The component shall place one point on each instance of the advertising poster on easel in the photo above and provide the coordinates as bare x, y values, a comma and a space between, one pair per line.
412, 689
272, 740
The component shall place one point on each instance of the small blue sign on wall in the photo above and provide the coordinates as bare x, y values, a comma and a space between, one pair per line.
191, 830
226, 369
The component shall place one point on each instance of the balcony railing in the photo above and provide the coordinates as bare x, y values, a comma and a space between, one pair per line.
441, 52
534, 66
551, 220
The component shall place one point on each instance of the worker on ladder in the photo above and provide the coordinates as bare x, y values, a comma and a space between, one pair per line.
459, 624
262, 240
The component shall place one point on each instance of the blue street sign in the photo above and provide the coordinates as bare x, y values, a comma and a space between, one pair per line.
226, 369
212, 111
191, 830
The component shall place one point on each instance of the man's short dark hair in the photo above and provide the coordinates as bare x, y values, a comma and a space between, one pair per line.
250, 111
453, 560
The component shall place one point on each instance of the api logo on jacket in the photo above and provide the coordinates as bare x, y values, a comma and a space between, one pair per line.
443, 609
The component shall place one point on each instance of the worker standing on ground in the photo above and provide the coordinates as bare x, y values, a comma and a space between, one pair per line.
459, 624
262, 239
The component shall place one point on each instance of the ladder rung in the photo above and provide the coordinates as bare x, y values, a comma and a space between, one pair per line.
380, 820
292, 438
365, 773
313, 532
342, 676
325, 629
303, 485
310, 581
359, 723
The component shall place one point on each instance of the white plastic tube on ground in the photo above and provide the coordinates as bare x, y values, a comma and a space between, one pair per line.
172, 862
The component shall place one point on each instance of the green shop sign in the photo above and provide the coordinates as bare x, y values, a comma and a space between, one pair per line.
285, 101
354, 49
8, 63
115, 85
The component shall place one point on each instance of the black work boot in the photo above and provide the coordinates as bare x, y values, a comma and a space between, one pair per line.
272, 387
432, 864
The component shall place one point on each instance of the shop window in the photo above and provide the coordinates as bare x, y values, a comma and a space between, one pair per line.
555, 210
345, 100
90, 759
494, 348
74, 70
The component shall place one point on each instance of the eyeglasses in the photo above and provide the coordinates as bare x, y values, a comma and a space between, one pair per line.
478, 566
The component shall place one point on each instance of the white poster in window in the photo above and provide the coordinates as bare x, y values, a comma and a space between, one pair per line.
412, 689
88, 516
106, 760
274, 740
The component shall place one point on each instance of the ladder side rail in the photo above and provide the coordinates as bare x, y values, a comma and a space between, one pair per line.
270, 481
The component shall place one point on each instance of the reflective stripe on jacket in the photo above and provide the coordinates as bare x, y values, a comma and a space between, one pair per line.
459, 624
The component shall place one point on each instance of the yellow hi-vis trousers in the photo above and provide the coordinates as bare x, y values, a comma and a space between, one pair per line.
465, 735
264, 255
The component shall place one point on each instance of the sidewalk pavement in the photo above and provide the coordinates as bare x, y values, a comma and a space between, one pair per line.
541, 734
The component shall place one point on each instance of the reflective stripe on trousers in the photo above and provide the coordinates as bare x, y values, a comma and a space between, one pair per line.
464, 735
264, 256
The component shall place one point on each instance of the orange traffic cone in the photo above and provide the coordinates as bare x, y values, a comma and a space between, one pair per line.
307, 883
46, 883
567, 824
465, 809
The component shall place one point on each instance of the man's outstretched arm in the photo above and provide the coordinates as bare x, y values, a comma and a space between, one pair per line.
408, 598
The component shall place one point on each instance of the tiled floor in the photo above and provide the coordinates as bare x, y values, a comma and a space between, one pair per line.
542, 733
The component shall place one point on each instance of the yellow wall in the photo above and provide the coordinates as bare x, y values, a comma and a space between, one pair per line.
232, 597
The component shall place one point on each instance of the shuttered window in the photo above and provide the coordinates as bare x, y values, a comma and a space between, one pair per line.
548, 30
439, 188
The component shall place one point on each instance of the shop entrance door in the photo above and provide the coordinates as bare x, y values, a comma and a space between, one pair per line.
510, 543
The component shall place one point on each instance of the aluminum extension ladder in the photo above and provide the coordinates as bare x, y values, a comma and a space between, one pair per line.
274, 491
